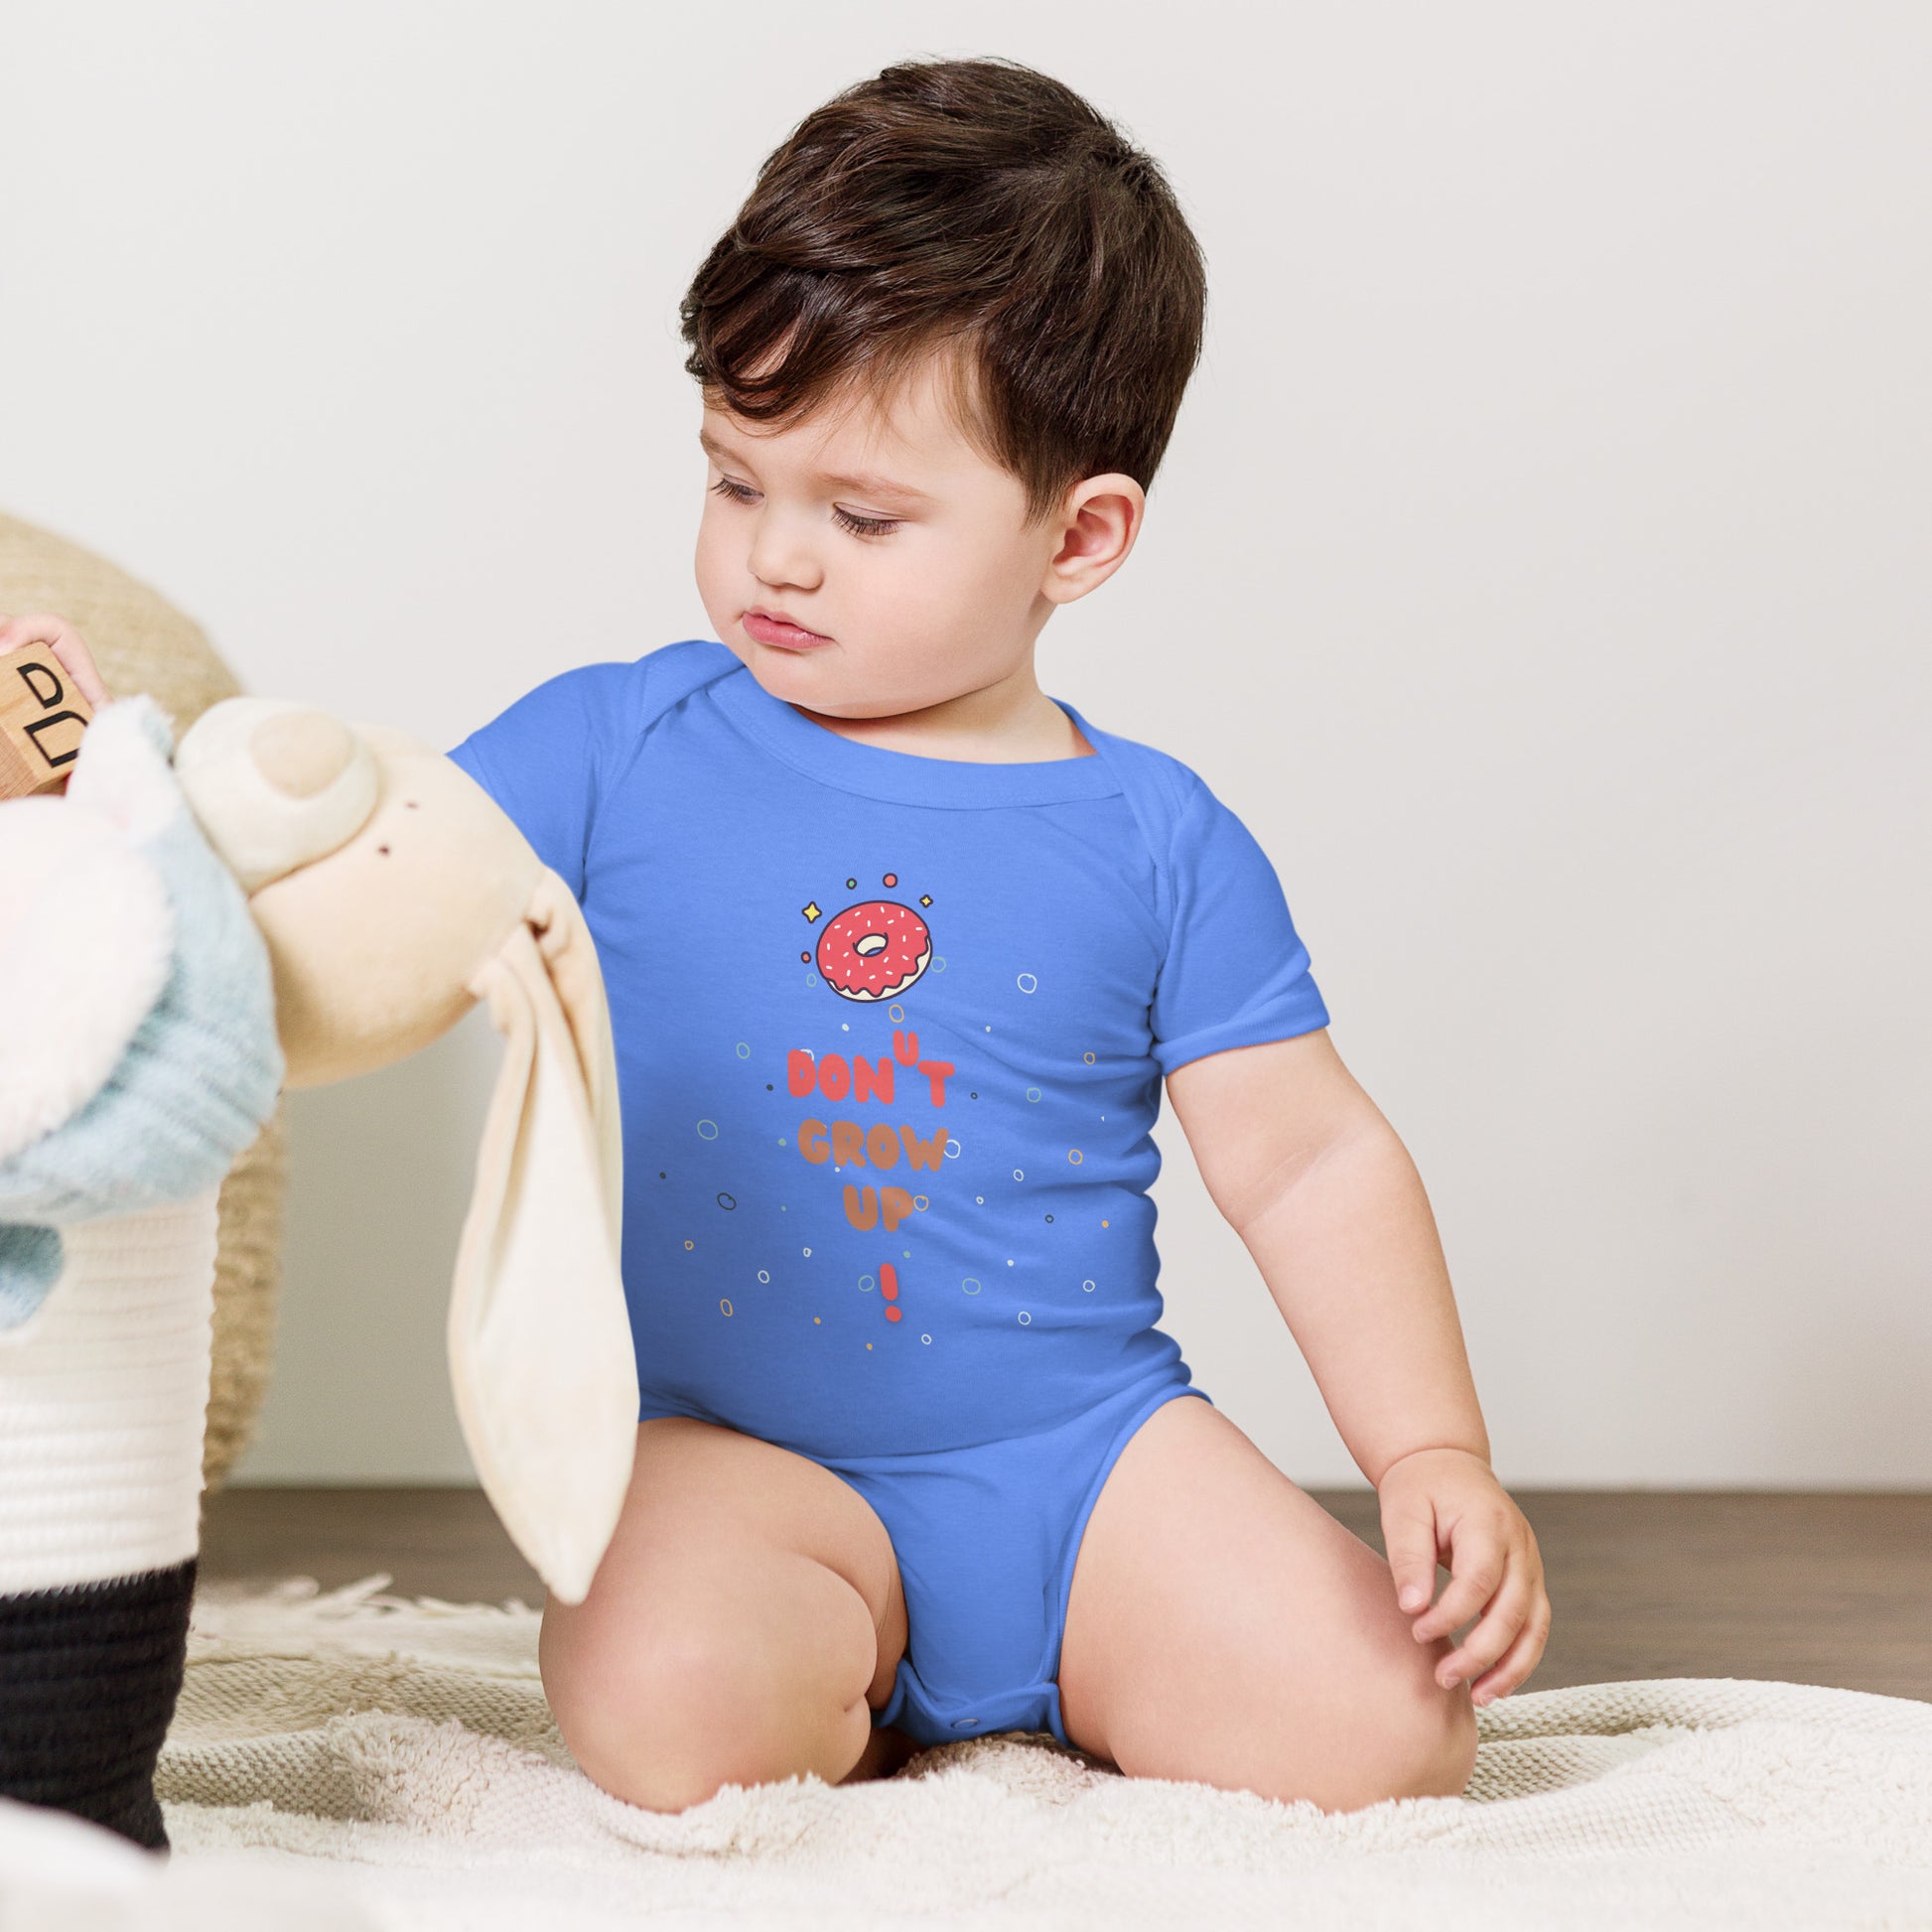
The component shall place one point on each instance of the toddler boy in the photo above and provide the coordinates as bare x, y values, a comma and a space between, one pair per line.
899, 952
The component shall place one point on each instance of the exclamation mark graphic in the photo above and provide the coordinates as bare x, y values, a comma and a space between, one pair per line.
889, 1288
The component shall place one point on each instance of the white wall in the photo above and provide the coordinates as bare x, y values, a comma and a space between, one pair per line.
1540, 568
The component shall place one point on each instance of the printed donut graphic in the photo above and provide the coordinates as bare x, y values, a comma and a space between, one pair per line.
874, 950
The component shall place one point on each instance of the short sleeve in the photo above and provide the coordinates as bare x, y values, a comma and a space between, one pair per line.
542, 759
1236, 973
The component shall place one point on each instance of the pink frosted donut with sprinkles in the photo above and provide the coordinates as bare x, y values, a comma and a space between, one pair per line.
874, 951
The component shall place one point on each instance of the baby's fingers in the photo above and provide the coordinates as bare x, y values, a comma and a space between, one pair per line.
1508, 1611
1408, 1536
1476, 1567
1516, 1663
66, 642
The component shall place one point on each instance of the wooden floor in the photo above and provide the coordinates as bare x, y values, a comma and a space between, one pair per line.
1814, 1588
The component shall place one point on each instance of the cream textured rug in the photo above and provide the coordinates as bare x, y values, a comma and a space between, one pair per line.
358, 1761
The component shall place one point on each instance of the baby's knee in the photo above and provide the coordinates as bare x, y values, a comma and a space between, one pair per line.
639, 1717
665, 1718
1431, 1741
1407, 1738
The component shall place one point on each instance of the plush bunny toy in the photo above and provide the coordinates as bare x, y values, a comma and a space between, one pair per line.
394, 893
146, 1022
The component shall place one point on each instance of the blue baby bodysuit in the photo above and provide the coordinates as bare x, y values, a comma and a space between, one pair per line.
890, 1032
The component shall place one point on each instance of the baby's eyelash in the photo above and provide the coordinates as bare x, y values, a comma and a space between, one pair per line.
865, 526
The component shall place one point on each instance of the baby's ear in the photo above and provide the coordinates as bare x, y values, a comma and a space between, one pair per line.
541, 1358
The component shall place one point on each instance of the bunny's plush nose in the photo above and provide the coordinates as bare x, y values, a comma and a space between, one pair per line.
302, 752
275, 786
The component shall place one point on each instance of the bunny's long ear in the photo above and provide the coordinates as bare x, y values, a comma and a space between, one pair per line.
541, 1358
570, 955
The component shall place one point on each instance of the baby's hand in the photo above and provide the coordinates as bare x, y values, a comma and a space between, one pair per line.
1447, 1503
66, 642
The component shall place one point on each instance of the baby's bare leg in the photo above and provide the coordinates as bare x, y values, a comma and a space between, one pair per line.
743, 1627
1223, 1627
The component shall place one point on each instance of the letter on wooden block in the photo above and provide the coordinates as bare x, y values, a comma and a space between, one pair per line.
41, 717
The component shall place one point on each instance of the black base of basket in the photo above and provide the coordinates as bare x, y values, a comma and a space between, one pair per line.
88, 1678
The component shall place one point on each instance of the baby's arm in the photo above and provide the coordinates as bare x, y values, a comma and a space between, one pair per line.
1311, 1176
1315, 1180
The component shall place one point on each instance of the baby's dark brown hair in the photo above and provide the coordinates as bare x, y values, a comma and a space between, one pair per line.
978, 209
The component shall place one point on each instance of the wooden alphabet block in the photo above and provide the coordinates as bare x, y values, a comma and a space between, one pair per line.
41, 717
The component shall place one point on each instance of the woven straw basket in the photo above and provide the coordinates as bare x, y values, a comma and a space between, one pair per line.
142, 643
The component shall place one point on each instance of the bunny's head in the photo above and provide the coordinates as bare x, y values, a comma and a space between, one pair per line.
395, 893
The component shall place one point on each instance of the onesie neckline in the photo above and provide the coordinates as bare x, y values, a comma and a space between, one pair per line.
904, 777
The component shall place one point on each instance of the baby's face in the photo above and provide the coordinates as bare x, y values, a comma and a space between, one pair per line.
887, 534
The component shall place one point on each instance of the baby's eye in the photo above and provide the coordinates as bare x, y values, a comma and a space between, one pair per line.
864, 526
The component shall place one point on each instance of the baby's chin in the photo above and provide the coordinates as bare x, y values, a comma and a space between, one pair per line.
832, 680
